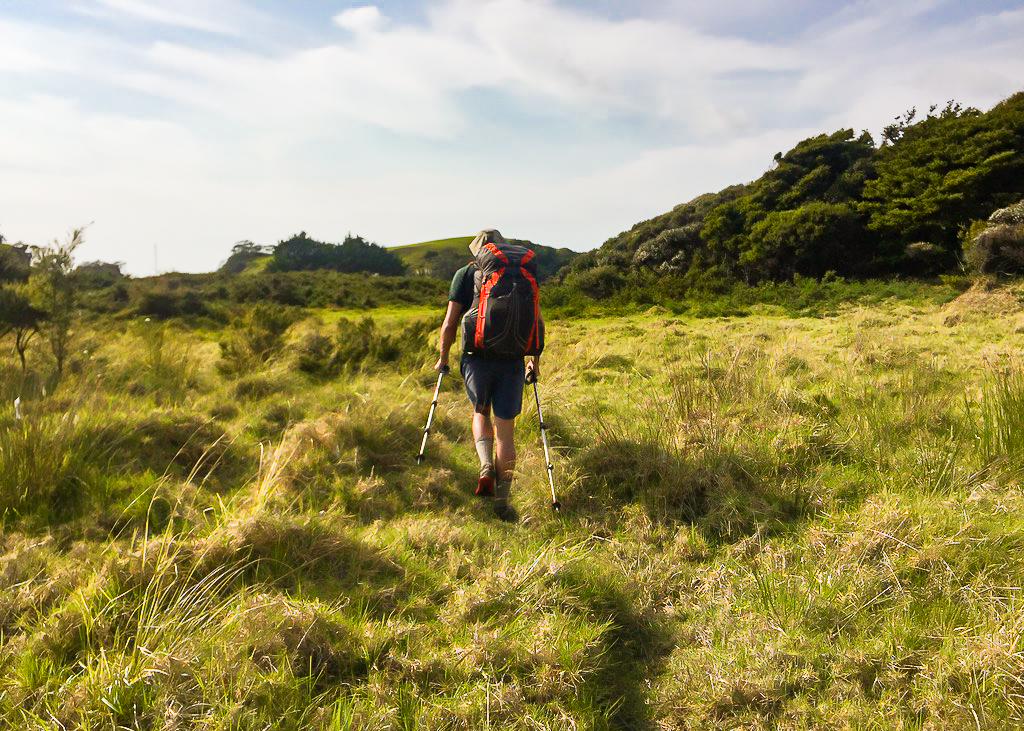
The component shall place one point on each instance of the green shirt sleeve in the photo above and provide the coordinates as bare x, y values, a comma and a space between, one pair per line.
461, 290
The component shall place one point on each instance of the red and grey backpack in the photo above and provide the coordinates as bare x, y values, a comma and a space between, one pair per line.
504, 320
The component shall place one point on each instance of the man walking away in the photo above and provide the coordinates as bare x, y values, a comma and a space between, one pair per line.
498, 301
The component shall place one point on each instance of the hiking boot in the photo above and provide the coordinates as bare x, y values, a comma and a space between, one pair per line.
502, 508
485, 485
506, 512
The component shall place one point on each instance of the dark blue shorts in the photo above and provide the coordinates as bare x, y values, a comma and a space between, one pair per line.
494, 384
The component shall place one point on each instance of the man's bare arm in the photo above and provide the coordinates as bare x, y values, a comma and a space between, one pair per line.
449, 332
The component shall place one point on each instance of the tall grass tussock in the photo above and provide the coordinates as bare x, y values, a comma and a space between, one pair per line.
784, 520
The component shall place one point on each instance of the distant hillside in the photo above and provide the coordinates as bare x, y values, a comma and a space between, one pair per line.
247, 258
437, 259
834, 203
441, 258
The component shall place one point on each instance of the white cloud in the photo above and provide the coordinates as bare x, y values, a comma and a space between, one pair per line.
360, 20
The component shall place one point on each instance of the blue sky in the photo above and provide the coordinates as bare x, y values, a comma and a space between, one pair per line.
179, 127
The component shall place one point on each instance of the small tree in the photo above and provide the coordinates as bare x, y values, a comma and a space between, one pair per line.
18, 316
55, 292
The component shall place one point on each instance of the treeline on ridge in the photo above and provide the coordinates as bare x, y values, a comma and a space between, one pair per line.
303, 253
835, 204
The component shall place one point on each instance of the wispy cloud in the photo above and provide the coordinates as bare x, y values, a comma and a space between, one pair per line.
226, 17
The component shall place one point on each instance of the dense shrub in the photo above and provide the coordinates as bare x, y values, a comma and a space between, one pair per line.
671, 249
165, 303
923, 259
364, 345
999, 247
809, 241
998, 250
600, 283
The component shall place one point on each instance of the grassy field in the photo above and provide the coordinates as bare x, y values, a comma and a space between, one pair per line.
768, 522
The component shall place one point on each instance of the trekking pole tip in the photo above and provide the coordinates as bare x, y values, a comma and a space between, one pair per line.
419, 459
556, 506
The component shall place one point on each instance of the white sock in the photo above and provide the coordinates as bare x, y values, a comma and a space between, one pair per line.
484, 447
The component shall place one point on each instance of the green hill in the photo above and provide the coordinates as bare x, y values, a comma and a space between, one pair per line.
438, 258
442, 257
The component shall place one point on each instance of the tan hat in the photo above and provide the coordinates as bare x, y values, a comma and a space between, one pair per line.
487, 236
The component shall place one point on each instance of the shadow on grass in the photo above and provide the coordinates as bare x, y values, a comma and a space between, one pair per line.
635, 649
727, 495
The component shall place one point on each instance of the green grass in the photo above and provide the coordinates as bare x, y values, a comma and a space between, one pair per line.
771, 521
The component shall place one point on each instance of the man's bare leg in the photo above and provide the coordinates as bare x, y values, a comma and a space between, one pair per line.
504, 432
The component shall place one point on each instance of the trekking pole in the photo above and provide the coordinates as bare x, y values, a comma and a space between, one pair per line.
430, 416
555, 505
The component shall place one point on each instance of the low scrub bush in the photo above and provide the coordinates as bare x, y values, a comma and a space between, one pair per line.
180, 443
315, 355
364, 345
254, 388
256, 338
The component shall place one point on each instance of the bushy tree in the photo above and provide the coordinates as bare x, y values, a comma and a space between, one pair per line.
443, 263
354, 254
810, 240
828, 168
940, 173
798, 218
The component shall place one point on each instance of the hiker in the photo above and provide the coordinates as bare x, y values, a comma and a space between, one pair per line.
497, 299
